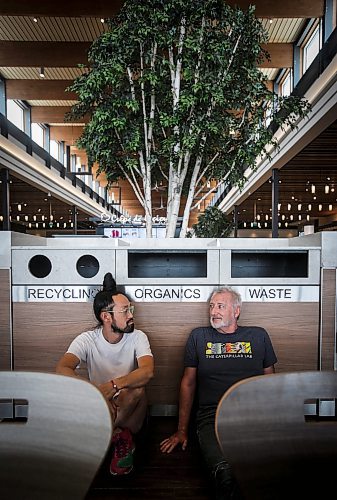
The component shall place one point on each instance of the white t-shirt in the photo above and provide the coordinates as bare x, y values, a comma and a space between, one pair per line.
107, 361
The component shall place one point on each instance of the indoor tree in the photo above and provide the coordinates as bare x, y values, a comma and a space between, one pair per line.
213, 223
175, 97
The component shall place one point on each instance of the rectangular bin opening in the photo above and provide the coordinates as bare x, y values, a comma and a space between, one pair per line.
167, 264
257, 264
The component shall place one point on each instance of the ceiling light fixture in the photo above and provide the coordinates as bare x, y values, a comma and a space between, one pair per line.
309, 207
330, 208
42, 75
35, 19
326, 189
313, 188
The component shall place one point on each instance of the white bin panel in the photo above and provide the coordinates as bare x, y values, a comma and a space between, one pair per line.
67, 266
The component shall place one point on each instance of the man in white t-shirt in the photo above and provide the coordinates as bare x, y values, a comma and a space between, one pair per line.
120, 363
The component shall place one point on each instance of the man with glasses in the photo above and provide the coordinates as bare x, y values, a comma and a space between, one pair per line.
120, 363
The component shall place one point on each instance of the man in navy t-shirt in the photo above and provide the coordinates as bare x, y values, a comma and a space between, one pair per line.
215, 358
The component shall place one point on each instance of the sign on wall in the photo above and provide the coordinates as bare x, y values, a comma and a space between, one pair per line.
153, 293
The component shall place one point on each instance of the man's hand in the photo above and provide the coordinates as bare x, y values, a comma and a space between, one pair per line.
107, 390
170, 443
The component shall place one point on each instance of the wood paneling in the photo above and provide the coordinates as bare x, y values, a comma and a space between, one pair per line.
68, 134
293, 329
281, 55
75, 8
328, 322
45, 114
106, 8
51, 54
5, 320
39, 90
42, 333
287, 8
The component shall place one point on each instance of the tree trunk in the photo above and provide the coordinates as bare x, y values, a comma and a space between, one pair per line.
173, 205
190, 198
148, 205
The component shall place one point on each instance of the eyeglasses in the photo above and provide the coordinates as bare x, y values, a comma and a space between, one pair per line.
125, 310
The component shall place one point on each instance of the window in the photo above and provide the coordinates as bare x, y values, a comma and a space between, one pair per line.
15, 113
311, 48
55, 149
286, 84
38, 134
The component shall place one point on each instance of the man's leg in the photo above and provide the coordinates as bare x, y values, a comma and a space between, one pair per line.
221, 472
131, 406
131, 409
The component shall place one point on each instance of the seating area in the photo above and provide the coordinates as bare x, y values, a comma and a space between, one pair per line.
62, 450
54, 452
276, 452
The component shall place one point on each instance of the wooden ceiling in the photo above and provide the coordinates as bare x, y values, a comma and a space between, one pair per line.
57, 36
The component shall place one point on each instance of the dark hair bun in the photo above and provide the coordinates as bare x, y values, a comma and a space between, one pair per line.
109, 284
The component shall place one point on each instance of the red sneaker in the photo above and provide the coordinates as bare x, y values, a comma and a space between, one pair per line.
122, 458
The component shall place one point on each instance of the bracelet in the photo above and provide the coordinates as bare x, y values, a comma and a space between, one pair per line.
114, 385
118, 391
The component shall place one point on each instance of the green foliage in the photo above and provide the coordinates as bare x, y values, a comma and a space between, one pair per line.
145, 124
212, 224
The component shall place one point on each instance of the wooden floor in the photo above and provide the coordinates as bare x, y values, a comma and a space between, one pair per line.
178, 475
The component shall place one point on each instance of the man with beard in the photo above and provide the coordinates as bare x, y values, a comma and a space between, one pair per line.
120, 363
215, 358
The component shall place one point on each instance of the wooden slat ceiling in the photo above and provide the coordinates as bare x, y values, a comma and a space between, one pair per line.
59, 40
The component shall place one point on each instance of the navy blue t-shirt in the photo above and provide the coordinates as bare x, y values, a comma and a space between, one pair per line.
225, 358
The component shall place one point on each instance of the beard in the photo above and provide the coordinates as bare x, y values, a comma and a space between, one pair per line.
130, 326
220, 323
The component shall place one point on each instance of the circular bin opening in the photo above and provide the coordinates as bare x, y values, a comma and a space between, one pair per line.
39, 266
87, 266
